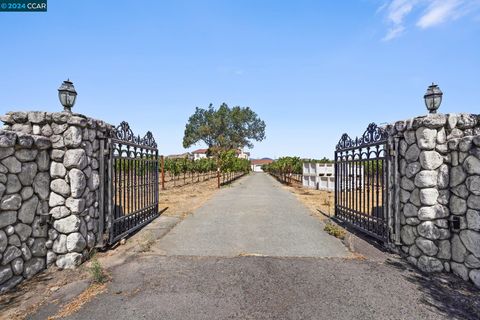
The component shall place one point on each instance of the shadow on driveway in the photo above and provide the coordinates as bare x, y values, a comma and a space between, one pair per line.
446, 293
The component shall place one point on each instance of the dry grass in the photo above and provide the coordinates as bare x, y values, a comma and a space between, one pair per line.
171, 197
315, 199
324, 201
362, 199
26, 298
248, 254
180, 182
77, 303
183, 201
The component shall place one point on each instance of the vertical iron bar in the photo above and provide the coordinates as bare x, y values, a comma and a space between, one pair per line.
163, 173
101, 199
135, 184
395, 195
335, 190
377, 192
364, 191
355, 189
163, 178
368, 211
110, 181
352, 194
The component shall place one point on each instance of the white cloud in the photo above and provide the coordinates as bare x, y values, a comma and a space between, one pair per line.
393, 33
435, 12
396, 12
439, 12
399, 9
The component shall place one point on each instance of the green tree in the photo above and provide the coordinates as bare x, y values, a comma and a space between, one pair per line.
224, 129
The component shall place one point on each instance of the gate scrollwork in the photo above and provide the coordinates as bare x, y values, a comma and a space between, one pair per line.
373, 134
123, 132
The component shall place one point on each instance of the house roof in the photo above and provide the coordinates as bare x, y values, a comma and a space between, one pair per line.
177, 156
200, 151
261, 161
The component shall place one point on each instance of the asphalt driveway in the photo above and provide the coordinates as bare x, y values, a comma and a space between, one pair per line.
254, 217
254, 252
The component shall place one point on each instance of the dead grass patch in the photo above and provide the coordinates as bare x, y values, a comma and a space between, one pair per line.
184, 200
77, 303
248, 254
26, 298
315, 199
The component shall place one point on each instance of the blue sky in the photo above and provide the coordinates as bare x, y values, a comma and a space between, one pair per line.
311, 69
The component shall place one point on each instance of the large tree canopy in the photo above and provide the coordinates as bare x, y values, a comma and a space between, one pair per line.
224, 129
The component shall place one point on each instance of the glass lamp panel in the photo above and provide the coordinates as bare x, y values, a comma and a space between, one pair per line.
70, 99
62, 95
437, 99
429, 102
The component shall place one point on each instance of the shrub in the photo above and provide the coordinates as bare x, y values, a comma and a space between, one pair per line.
334, 230
96, 270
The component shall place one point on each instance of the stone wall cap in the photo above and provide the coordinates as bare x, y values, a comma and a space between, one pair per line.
42, 118
460, 120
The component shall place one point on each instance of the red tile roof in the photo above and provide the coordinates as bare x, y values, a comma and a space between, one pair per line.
200, 151
261, 161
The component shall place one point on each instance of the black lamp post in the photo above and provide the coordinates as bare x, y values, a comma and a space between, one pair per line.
67, 95
433, 98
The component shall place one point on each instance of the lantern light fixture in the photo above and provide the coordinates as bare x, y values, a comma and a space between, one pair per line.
433, 98
67, 95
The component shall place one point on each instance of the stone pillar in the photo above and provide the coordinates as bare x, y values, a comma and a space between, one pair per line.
439, 164
24, 191
73, 199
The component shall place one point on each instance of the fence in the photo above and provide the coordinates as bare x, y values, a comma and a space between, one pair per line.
225, 178
184, 171
287, 178
318, 176
169, 179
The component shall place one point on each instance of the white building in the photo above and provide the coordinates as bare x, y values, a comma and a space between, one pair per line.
202, 153
320, 176
256, 164
243, 155
199, 154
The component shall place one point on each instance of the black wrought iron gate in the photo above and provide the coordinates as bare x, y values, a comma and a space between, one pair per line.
362, 182
130, 188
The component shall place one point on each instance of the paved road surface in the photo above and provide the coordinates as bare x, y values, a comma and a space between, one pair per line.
195, 271
257, 216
